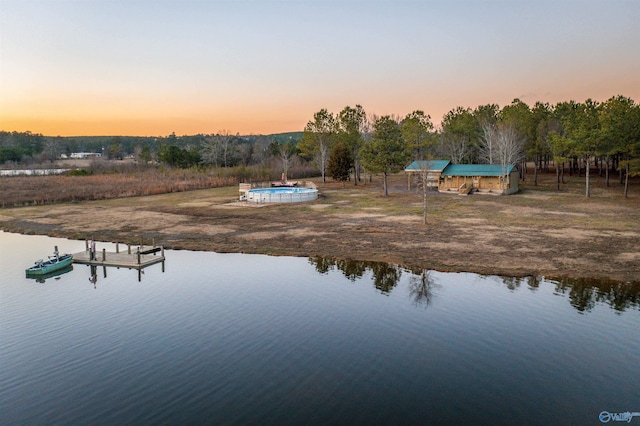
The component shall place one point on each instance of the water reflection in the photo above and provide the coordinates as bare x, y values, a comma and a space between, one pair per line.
583, 293
533, 282
93, 274
93, 279
421, 286
512, 283
385, 275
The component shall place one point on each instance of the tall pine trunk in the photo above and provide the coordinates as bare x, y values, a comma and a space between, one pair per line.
586, 173
384, 179
425, 180
626, 181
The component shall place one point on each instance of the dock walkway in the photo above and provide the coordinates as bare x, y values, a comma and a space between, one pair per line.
137, 258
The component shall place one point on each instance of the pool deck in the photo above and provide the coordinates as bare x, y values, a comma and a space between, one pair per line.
286, 184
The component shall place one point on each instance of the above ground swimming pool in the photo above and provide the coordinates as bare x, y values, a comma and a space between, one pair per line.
281, 195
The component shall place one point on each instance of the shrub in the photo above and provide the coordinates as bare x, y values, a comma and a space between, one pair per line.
79, 172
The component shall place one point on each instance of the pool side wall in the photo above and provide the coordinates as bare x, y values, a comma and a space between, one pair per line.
284, 197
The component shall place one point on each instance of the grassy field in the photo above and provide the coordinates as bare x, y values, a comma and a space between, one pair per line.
537, 232
38, 190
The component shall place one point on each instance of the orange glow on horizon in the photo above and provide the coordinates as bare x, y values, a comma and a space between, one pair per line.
139, 118
146, 127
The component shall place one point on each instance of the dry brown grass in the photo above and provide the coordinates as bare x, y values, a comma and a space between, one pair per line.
39, 190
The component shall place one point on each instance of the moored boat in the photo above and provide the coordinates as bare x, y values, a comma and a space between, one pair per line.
55, 274
55, 262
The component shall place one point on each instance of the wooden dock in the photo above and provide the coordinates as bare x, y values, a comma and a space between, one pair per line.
132, 257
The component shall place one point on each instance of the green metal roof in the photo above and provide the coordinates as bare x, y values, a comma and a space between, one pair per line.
431, 165
476, 170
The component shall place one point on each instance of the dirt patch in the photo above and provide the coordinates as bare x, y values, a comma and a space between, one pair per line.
197, 204
566, 214
319, 206
403, 219
634, 257
570, 234
360, 216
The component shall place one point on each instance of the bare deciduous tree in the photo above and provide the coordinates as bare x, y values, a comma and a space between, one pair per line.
53, 148
226, 144
422, 181
211, 150
509, 146
456, 147
488, 142
317, 139
286, 151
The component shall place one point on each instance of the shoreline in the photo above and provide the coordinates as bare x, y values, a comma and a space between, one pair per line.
537, 232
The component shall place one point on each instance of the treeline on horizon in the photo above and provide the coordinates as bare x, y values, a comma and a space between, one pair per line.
568, 134
29, 148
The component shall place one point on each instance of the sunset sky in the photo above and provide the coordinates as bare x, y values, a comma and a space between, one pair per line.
150, 68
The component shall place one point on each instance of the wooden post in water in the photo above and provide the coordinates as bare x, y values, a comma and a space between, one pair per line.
86, 245
153, 242
117, 247
128, 248
162, 250
104, 254
138, 256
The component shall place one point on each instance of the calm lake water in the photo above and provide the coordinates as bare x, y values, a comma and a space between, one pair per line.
248, 339
32, 172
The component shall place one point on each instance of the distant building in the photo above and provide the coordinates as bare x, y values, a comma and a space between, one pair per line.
466, 178
83, 155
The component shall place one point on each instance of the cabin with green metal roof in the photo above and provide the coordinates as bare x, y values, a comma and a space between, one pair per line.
480, 178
